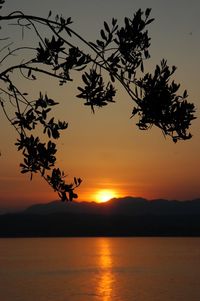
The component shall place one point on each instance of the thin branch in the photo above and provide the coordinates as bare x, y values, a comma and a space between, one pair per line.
8, 118
15, 94
2, 49
14, 50
32, 69
11, 95
37, 32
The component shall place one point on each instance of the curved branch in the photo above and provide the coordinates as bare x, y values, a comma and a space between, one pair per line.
8, 118
36, 69
14, 50
2, 49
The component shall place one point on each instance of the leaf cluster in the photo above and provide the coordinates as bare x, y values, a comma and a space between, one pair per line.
124, 49
38, 157
62, 62
161, 106
133, 40
75, 60
37, 112
65, 191
41, 157
48, 53
95, 93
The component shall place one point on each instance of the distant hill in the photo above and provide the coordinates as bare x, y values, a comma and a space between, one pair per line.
119, 217
127, 206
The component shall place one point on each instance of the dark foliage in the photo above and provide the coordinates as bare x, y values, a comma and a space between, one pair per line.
120, 52
161, 106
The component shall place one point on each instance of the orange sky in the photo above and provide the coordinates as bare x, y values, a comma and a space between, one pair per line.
106, 149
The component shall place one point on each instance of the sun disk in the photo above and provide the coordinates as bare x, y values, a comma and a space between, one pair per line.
104, 195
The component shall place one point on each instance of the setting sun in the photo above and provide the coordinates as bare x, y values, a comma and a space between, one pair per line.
105, 195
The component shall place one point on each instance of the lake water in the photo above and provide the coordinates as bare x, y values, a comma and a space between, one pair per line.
100, 269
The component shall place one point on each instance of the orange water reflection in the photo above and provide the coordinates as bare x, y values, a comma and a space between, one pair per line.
106, 278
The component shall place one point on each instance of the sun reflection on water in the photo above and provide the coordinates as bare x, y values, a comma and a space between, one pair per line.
106, 279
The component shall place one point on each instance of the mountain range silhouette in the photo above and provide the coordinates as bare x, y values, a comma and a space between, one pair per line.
128, 206
127, 216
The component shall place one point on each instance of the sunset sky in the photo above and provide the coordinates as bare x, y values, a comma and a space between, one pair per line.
106, 149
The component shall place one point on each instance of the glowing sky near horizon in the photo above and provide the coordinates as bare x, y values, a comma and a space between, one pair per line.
106, 149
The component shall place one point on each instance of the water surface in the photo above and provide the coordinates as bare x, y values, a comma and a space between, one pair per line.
100, 269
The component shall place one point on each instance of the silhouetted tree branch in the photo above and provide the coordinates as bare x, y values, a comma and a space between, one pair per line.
120, 52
